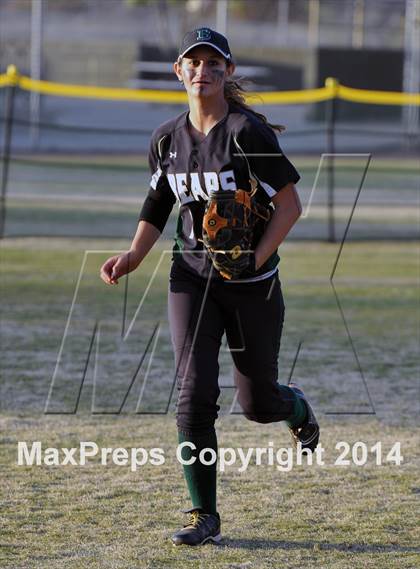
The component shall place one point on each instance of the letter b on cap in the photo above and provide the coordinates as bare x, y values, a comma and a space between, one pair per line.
203, 34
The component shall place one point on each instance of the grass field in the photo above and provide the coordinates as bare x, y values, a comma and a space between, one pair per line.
95, 516
313, 516
98, 196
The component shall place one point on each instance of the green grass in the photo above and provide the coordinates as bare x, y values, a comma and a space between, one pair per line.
320, 516
97, 516
100, 196
376, 285
380, 164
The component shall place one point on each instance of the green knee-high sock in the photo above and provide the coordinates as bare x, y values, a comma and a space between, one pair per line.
299, 409
201, 479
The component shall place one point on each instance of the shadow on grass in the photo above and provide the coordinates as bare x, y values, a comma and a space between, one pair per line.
316, 545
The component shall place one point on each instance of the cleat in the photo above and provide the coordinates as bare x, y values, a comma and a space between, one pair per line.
306, 434
201, 528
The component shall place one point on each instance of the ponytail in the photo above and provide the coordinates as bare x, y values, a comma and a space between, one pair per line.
235, 93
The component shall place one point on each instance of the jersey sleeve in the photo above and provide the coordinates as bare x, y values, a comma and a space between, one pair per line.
267, 163
160, 199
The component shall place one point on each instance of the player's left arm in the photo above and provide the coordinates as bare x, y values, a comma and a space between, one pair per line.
287, 210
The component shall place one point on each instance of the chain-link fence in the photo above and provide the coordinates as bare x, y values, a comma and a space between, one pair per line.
89, 176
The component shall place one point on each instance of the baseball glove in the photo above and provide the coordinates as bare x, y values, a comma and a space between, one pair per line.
232, 224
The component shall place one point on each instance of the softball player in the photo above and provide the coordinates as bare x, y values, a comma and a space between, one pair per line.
219, 144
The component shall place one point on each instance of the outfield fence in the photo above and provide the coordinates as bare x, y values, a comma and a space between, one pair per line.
45, 195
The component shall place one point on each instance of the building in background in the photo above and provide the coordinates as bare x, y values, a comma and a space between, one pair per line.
279, 45
96, 42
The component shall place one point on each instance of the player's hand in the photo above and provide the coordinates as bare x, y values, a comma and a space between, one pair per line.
118, 266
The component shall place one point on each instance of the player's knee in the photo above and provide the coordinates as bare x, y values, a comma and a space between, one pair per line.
262, 410
196, 423
197, 411
258, 417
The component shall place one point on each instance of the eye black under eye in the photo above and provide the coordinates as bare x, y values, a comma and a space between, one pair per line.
210, 61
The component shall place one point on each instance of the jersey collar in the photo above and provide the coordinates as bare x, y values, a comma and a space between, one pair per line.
213, 128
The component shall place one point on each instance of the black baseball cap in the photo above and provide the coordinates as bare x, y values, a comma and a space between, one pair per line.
205, 36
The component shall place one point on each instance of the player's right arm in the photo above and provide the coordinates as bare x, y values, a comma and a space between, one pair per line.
120, 265
152, 219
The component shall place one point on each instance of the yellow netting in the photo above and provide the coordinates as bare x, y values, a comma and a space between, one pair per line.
332, 89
